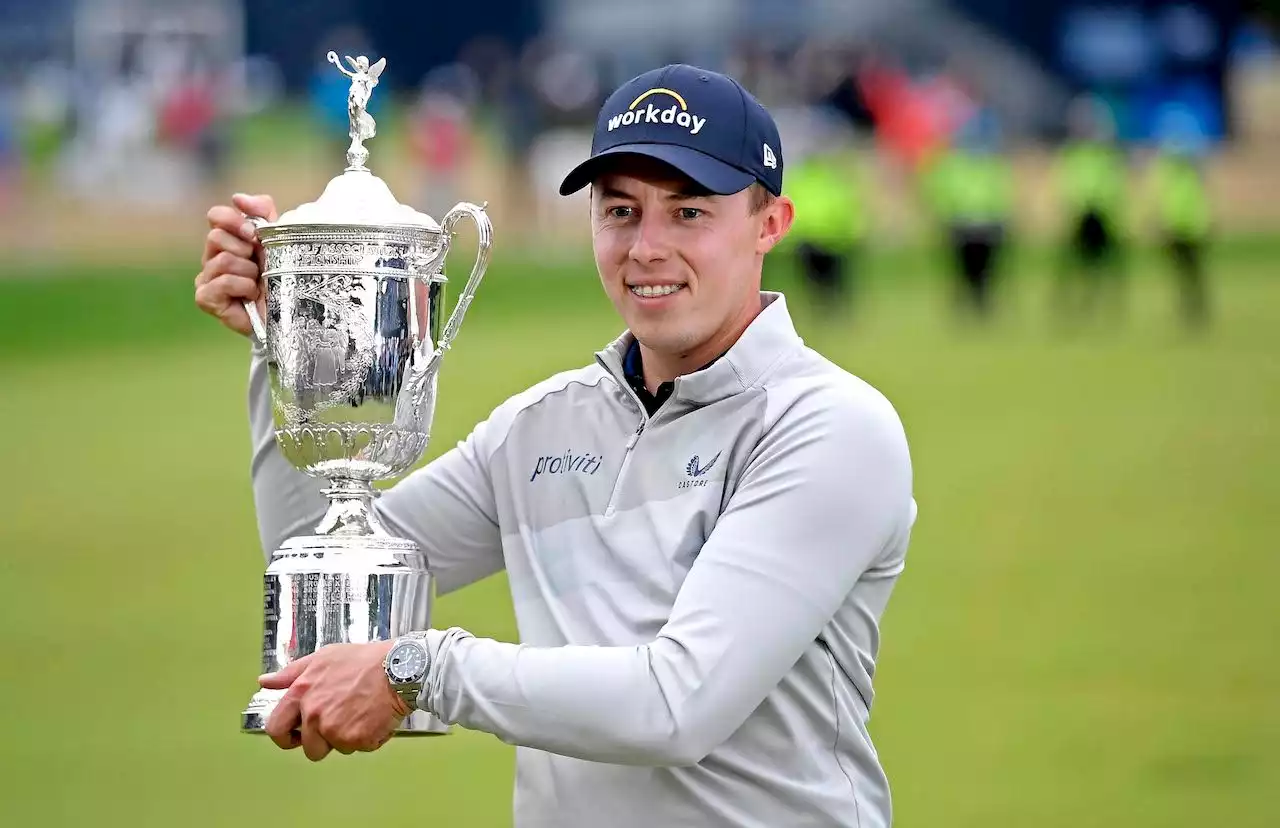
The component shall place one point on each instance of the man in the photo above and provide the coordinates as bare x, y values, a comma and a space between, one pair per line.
699, 606
970, 186
830, 226
1179, 195
1091, 176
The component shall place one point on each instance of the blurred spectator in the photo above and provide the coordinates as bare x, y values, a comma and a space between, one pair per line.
115, 133
509, 99
830, 226
827, 75
1179, 199
913, 119
970, 189
1090, 181
10, 158
440, 133
44, 115
567, 91
190, 118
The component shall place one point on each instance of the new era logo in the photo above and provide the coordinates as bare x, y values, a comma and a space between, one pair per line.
770, 160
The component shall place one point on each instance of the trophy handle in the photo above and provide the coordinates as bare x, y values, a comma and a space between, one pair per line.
419, 382
251, 308
485, 228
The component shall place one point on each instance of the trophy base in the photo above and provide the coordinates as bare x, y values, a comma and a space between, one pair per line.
254, 719
343, 587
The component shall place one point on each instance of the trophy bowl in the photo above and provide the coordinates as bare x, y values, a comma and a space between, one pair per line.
354, 334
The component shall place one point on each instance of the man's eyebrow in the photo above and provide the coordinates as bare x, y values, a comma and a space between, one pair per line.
690, 191
683, 193
607, 191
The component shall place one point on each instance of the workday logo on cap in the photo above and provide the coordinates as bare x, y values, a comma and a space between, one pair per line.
678, 113
702, 123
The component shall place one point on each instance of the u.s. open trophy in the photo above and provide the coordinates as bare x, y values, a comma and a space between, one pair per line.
354, 338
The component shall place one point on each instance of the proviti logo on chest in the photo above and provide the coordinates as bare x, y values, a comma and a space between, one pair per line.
565, 463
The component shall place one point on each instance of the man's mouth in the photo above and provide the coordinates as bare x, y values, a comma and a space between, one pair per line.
649, 291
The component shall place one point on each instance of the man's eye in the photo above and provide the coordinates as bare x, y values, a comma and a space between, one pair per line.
619, 212
690, 213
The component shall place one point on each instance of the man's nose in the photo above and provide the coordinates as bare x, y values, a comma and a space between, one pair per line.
650, 244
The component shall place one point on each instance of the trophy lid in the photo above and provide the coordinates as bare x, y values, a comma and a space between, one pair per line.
357, 196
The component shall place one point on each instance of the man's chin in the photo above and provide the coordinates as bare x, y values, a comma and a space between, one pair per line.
663, 339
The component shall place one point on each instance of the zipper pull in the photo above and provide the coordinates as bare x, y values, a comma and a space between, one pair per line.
635, 436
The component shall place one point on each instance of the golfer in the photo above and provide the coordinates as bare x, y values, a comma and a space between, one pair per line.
701, 528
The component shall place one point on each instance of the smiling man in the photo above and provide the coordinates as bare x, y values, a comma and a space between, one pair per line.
701, 529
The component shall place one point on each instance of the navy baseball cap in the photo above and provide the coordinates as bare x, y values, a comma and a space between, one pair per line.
701, 122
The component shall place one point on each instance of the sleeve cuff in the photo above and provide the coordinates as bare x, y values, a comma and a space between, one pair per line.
432, 696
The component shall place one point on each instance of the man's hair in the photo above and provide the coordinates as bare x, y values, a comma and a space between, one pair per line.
760, 197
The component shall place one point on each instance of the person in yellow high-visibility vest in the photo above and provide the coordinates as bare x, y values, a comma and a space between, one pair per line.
1179, 198
970, 190
830, 225
1091, 183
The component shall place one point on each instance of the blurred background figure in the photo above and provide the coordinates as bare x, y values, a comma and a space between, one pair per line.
1178, 200
915, 113
830, 226
442, 135
1091, 183
190, 118
510, 80
10, 148
970, 189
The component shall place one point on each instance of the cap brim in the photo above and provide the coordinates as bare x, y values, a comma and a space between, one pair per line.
713, 174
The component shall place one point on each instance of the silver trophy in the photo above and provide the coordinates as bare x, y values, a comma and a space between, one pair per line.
354, 305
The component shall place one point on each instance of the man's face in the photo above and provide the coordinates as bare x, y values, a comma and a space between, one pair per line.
681, 267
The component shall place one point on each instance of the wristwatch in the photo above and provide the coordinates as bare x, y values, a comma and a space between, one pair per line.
406, 665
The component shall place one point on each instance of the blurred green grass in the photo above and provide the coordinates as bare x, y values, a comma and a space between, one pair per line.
1083, 635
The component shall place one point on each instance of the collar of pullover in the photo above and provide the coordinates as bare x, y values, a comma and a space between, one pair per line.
770, 337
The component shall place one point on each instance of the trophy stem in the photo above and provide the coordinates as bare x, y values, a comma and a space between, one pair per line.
356, 156
351, 509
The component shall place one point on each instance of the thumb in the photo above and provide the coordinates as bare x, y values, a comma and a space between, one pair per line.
282, 679
262, 206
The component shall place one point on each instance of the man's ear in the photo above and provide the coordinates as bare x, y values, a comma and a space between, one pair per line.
779, 215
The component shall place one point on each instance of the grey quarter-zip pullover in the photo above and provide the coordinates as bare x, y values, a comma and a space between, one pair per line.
698, 592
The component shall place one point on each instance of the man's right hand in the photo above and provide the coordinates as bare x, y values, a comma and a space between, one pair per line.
232, 261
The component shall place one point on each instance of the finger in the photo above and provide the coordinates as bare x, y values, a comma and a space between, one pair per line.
227, 263
224, 299
342, 739
285, 720
364, 738
263, 206
281, 679
231, 219
313, 744
223, 291
219, 240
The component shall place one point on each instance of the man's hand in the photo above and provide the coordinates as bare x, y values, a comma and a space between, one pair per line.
338, 698
232, 261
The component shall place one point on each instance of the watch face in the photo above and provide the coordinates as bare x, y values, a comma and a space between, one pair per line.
407, 661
